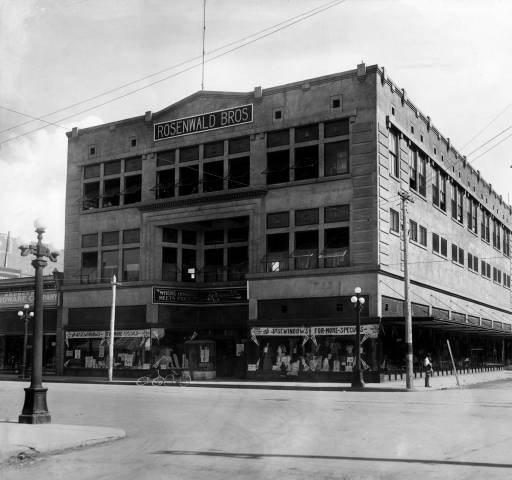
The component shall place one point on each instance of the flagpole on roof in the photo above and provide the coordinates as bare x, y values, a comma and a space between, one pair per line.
204, 34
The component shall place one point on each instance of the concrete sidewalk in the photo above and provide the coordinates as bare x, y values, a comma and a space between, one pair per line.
20, 441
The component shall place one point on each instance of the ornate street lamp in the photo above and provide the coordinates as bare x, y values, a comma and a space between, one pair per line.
357, 375
25, 314
34, 408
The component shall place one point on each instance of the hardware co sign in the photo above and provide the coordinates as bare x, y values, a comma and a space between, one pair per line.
206, 121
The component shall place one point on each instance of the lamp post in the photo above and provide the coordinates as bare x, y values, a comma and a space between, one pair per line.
35, 409
25, 314
357, 375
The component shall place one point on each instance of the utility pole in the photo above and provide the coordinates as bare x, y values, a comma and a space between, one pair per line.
406, 197
112, 328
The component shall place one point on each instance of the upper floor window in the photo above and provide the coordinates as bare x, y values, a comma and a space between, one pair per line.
422, 175
306, 133
394, 154
413, 169
239, 145
336, 128
484, 226
394, 220
278, 138
472, 215
336, 158
439, 189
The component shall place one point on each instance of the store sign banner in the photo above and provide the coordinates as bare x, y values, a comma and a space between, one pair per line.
27, 296
167, 295
203, 122
370, 331
138, 333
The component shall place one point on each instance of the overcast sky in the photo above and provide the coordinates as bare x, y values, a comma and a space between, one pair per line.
452, 57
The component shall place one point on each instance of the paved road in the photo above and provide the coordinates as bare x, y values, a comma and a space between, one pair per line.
194, 433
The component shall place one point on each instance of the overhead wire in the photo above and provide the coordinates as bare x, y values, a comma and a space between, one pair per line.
257, 36
486, 126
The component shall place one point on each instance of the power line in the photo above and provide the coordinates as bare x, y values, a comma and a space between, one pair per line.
487, 125
494, 146
30, 116
489, 141
257, 36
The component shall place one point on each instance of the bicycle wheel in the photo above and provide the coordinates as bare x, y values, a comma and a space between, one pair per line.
142, 381
158, 380
169, 379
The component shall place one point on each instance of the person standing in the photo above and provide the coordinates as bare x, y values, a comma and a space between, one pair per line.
427, 365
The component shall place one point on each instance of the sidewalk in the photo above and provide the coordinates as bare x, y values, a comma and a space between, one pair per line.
436, 382
20, 441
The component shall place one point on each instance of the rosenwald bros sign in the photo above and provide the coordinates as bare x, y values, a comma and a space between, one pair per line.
206, 121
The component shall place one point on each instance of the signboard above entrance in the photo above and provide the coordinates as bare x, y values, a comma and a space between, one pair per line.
371, 331
193, 296
205, 121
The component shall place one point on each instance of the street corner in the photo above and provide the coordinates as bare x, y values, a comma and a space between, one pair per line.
22, 441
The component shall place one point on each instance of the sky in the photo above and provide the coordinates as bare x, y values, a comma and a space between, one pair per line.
451, 56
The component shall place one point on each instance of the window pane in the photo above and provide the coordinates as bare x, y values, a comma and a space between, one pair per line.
133, 164
89, 272
131, 236
165, 158
189, 237
213, 270
92, 171
165, 181
90, 240
336, 128
306, 217
188, 265
306, 163
213, 237
110, 238
131, 266
306, 133
189, 154
111, 168
169, 235
338, 213
213, 149
277, 258
111, 192
239, 145
240, 234
306, 250
91, 195
335, 158
278, 220
239, 172
109, 266
132, 189
169, 264
213, 176
189, 180
238, 262
279, 138
278, 167
336, 243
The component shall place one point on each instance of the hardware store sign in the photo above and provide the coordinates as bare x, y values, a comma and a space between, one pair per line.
23, 297
206, 121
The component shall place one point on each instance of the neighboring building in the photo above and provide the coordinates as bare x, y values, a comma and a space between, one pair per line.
14, 294
249, 218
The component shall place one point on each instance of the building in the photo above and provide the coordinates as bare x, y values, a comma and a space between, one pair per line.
15, 293
247, 219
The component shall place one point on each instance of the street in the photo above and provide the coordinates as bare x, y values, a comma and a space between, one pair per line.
215, 433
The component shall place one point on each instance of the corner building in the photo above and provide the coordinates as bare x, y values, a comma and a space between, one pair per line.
240, 223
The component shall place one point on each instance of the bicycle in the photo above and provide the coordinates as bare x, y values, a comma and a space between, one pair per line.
178, 377
148, 380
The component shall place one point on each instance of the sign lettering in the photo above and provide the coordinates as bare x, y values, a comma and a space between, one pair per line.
22, 297
206, 121
370, 331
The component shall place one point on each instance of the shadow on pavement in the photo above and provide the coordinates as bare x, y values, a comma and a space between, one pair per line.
257, 456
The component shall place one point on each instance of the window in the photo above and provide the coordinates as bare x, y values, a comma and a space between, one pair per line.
413, 168
92, 171
189, 237
92, 150
460, 205
435, 243
395, 221
112, 168
213, 265
188, 265
423, 236
213, 149
238, 262
336, 103
336, 247
189, 180
239, 172
239, 234
278, 167
484, 226
442, 191
90, 240
496, 234
111, 192
444, 247
109, 265
131, 236
506, 242
436, 182
239, 145
110, 238
89, 270
278, 114
475, 263
472, 215
277, 258
413, 230
457, 254
132, 189
131, 264
336, 128
213, 237
165, 159
91, 195
306, 163
336, 157
165, 181
394, 155
422, 175
439, 245
306, 250
133, 164
306, 133
486, 269
213, 176
189, 154
306, 217
169, 264
133, 142
278, 138
337, 213
278, 220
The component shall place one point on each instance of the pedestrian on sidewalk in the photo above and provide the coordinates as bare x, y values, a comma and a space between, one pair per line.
427, 365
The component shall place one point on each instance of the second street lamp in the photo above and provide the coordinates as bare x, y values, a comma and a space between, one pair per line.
25, 314
357, 376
